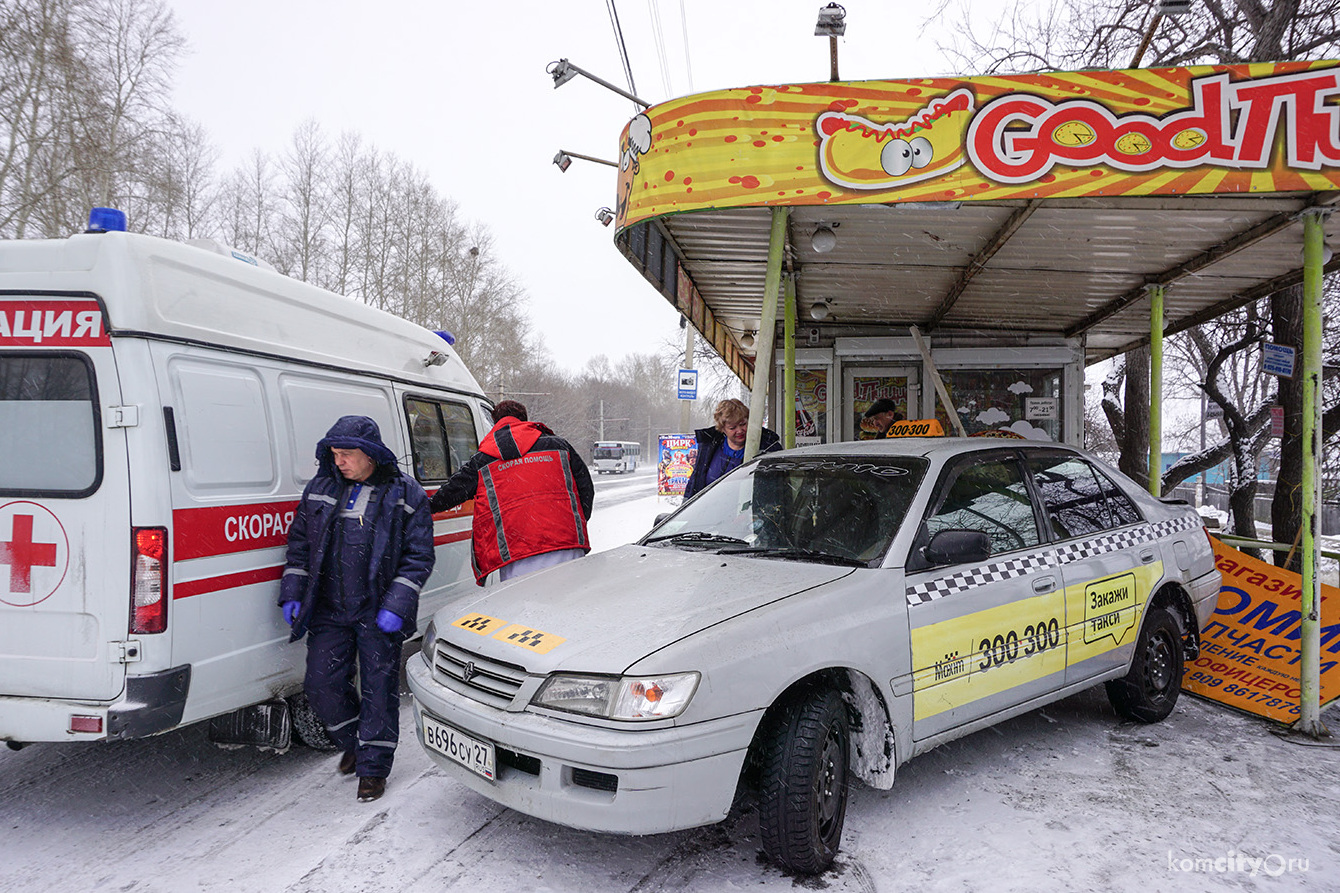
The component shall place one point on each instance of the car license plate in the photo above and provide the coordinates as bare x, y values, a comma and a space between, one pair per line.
470, 752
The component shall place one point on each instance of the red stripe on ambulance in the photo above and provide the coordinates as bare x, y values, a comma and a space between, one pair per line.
226, 529
189, 588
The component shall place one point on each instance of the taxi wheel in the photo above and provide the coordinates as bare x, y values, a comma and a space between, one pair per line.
310, 730
1149, 691
803, 790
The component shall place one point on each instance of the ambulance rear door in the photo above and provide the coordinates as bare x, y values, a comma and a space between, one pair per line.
65, 550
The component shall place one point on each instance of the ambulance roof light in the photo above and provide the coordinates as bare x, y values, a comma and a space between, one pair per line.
446, 336
106, 220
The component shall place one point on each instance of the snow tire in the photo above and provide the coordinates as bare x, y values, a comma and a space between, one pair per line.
802, 798
310, 730
1148, 692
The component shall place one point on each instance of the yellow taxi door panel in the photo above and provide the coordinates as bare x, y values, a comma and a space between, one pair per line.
1107, 557
984, 638
986, 623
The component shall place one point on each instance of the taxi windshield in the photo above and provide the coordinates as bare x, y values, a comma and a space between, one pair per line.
834, 509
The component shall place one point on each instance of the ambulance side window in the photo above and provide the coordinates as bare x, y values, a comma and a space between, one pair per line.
442, 435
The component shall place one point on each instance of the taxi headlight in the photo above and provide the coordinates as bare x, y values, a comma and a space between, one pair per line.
429, 643
627, 697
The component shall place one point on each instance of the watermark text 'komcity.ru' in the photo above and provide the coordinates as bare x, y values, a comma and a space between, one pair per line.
1272, 865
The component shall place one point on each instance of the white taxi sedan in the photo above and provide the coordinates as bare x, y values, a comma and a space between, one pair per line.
818, 615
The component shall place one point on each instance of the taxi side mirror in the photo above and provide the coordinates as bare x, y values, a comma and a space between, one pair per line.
661, 517
958, 547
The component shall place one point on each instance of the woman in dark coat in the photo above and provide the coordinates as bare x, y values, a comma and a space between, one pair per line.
721, 448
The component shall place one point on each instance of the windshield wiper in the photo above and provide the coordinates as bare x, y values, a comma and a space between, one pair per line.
698, 536
800, 554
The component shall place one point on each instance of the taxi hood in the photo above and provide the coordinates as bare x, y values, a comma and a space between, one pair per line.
613, 608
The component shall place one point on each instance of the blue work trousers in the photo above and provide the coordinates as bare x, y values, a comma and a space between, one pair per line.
366, 718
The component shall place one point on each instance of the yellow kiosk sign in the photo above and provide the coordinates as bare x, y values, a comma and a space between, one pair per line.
1268, 127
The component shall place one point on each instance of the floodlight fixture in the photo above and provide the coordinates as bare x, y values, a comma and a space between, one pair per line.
819, 310
564, 159
563, 71
832, 21
747, 341
605, 216
824, 239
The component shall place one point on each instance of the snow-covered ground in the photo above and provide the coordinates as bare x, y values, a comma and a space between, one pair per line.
1068, 797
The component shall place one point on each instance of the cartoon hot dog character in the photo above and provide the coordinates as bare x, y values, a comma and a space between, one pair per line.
861, 154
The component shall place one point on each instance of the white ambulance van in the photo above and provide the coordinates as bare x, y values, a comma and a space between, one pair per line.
160, 405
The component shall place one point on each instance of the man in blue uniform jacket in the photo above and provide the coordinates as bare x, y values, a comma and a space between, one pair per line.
359, 551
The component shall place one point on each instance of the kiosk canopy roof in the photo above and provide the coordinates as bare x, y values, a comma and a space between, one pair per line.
1026, 205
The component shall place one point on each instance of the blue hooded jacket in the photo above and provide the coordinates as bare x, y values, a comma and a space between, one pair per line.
402, 554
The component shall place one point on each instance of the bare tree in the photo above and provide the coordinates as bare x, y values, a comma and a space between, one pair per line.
300, 236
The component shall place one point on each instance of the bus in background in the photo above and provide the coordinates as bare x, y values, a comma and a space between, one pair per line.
616, 456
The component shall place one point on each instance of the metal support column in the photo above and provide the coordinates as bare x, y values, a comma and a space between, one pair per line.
788, 403
685, 422
1156, 294
767, 333
1309, 719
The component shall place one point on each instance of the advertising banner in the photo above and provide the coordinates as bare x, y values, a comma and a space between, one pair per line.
1266, 127
674, 463
1250, 655
811, 406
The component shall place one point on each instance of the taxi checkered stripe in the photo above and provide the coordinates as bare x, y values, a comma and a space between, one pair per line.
1010, 568
978, 576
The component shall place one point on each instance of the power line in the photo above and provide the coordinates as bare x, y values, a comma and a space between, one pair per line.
658, 35
684, 27
623, 49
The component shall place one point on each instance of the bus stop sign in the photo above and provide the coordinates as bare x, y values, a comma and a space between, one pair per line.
688, 384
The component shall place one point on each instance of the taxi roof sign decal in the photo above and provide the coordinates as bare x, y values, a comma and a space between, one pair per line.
916, 428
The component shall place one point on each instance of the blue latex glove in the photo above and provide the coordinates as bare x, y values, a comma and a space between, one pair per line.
389, 621
291, 611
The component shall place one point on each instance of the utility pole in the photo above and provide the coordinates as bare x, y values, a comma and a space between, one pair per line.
686, 405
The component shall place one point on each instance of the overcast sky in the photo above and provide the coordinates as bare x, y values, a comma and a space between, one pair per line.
460, 91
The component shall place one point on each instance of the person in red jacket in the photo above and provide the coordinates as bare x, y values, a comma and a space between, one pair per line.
533, 496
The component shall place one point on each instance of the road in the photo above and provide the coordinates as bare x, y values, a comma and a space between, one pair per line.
1067, 797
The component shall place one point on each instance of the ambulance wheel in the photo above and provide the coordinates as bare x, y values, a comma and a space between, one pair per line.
310, 730
1149, 691
802, 798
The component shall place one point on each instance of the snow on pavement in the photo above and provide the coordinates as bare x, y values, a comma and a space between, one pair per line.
1068, 797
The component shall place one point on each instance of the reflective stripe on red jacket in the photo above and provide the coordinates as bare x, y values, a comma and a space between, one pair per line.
524, 507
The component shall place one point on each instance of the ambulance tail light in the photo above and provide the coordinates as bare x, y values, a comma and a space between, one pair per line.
148, 584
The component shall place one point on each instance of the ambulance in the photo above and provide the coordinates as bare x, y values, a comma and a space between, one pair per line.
160, 405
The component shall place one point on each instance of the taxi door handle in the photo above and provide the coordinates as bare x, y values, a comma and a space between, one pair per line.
1044, 584
1146, 555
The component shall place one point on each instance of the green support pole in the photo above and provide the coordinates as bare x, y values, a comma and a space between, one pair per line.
1156, 293
767, 333
789, 370
1309, 672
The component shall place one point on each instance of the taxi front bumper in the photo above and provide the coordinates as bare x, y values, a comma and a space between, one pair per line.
622, 781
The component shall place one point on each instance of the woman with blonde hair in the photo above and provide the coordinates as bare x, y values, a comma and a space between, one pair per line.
721, 448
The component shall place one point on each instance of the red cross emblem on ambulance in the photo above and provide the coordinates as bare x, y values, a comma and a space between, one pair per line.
34, 554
